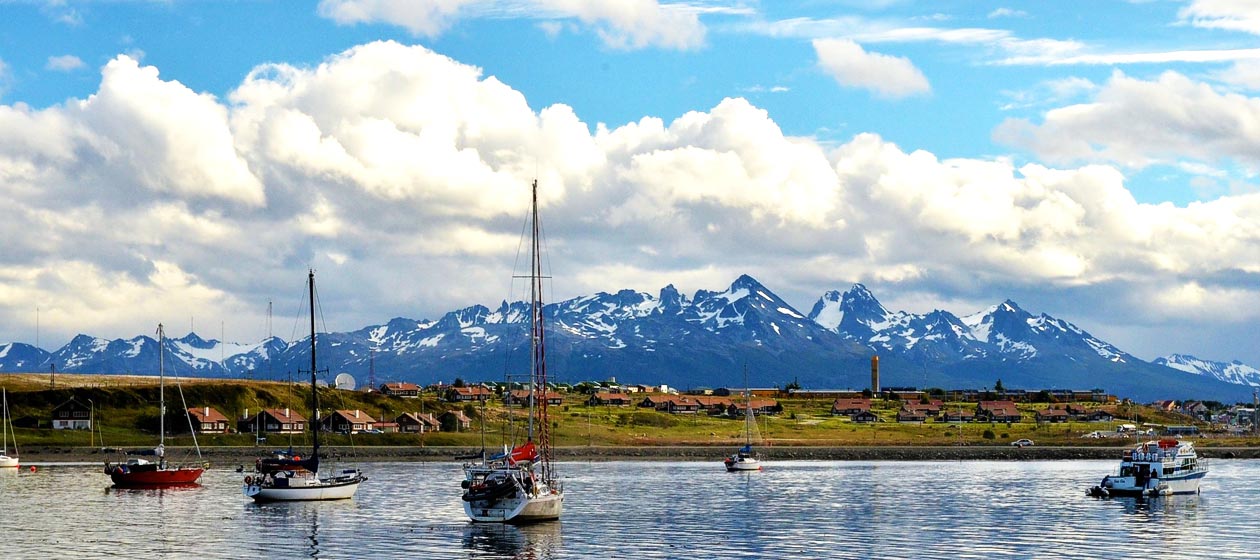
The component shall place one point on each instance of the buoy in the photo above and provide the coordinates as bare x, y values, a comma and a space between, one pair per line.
32, 468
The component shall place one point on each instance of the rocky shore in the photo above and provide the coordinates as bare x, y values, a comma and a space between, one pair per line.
242, 455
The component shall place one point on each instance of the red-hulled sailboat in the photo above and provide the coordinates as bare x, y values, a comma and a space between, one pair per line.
140, 472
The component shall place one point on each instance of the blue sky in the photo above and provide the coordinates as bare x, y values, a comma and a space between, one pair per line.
1092, 160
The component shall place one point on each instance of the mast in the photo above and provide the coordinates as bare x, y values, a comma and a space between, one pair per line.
161, 392
538, 357
314, 390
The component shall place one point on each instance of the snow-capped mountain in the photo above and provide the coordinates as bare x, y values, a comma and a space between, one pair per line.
703, 340
1229, 372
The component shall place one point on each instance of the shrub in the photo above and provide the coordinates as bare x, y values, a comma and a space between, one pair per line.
988, 434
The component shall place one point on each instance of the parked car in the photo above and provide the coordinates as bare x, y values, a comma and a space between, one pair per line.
1022, 442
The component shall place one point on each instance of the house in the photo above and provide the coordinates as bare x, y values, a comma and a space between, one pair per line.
454, 421
72, 415
417, 423
849, 407
681, 405
911, 415
1075, 411
272, 420
997, 411
1052, 416
520, 397
401, 389
656, 401
864, 416
206, 420
467, 394
348, 422
759, 406
1099, 415
608, 399
957, 415
713, 405
931, 408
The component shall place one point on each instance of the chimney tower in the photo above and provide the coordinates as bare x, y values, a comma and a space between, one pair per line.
875, 374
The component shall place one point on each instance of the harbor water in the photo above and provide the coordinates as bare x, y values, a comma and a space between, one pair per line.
654, 509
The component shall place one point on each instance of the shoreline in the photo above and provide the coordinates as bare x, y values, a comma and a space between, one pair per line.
242, 455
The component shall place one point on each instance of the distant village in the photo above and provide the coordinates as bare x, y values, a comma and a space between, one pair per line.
871, 405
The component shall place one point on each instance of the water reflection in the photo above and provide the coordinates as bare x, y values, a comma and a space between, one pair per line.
1139, 505
526, 542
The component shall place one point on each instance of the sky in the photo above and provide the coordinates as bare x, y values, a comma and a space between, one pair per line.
186, 161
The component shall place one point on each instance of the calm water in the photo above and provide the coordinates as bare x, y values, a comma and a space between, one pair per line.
805, 509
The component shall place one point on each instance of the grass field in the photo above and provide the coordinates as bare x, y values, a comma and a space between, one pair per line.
125, 411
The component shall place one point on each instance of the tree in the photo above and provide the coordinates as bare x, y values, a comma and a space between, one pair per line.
459, 382
998, 386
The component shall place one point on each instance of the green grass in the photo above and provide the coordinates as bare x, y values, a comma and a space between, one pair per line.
126, 412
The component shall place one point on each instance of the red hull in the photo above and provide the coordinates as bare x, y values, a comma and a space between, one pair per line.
156, 478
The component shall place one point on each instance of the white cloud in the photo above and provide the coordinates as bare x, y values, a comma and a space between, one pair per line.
1231, 15
401, 176
852, 66
429, 18
1007, 12
1136, 123
621, 24
64, 63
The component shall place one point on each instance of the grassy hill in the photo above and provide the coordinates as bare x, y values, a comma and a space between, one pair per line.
125, 410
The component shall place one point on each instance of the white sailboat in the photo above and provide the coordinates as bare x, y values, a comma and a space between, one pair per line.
6, 424
286, 479
744, 459
520, 486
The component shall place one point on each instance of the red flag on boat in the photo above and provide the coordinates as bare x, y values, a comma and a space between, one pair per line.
525, 452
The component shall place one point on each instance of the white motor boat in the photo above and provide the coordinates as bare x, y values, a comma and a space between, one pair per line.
1155, 468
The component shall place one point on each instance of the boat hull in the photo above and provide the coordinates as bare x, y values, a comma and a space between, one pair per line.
308, 492
517, 509
155, 478
1127, 486
743, 466
7, 462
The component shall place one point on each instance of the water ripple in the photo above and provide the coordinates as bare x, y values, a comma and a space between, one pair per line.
802, 509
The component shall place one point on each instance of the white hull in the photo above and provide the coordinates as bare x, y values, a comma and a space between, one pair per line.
1155, 468
1127, 486
519, 508
7, 462
301, 489
753, 465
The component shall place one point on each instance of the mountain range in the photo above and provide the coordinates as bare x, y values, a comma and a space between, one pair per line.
705, 340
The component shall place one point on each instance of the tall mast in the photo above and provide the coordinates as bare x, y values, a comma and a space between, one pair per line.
161, 389
314, 390
538, 358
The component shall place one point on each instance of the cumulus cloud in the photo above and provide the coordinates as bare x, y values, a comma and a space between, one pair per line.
621, 24
64, 63
853, 66
1136, 123
402, 176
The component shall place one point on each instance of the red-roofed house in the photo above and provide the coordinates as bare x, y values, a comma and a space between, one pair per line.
349, 422
401, 389
467, 394
207, 420
849, 407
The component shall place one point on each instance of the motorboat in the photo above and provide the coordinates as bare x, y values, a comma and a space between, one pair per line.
1155, 468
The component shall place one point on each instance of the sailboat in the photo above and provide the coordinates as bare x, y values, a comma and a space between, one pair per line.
6, 424
519, 485
292, 478
137, 472
744, 459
